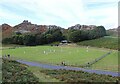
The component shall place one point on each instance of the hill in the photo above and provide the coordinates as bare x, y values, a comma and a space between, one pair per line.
25, 27
83, 27
105, 42
28, 27
6, 30
114, 31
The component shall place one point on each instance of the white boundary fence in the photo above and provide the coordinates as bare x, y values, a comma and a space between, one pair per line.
96, 60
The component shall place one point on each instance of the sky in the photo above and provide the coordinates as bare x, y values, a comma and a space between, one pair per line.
64, 13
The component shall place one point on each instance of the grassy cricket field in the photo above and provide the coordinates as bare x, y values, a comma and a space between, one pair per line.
72, 55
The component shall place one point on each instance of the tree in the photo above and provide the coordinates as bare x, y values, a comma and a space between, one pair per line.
29, 40
102, 31
75, 36
41, 39
57, 36
7, 40
98, 32
15, 39
49, 38
20, 39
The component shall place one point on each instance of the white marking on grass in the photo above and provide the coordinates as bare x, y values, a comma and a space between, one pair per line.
44, 52
87, 48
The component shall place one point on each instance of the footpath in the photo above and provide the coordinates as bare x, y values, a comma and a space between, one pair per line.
57, 67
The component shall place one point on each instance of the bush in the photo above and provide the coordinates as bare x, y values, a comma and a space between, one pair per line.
13, 71
7, 41
79, 76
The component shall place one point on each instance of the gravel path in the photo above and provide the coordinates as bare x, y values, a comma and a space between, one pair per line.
48, 66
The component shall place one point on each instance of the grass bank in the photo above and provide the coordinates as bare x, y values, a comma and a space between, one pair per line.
105, 42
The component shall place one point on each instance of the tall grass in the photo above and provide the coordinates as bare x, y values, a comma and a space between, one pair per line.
13, 71
81, 77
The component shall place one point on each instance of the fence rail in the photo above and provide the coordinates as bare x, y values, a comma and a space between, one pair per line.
96, 60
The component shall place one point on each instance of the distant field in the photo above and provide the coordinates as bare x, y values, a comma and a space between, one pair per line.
105, 42
72, 55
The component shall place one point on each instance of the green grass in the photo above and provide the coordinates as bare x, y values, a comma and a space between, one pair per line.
108, 63
7, 46
72, 55
13, 71
105, 42
80, 77
17, 73
42, 76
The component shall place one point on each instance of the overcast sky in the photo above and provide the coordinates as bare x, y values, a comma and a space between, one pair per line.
64, 13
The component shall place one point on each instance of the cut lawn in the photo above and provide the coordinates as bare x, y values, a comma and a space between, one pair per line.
72, 55
108, 63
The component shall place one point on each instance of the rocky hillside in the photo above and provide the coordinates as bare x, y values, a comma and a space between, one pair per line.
114, 31
25, 27
28, 27
6, 30
82, 27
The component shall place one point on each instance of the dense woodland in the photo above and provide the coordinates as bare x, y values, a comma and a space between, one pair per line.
55, 35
